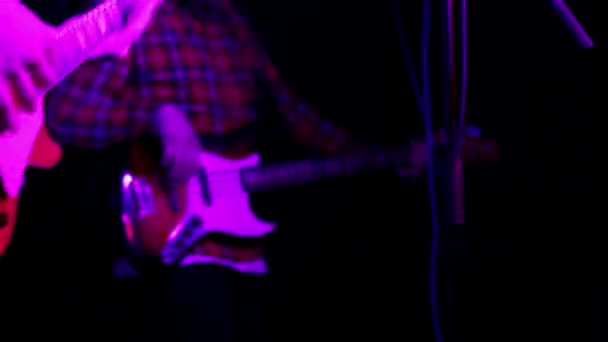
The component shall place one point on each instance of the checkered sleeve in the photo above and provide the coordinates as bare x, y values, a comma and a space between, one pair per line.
108, 101
98, 105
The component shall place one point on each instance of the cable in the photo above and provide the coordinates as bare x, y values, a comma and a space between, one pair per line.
447, 63
433, 200
424, 100
456, 188
450, 55
460, 128
407, 55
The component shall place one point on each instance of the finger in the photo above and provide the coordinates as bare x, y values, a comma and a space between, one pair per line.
170, 163
168, 156
179, 169
22, 90
7, 107
192, 158
186, 164
188, 169
173, 172
42, 72
194, 163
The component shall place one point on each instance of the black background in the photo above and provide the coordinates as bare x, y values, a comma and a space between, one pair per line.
352, 250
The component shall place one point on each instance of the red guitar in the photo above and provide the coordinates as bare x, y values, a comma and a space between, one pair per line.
77, 40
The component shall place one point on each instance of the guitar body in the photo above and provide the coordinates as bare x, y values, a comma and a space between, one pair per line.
169, 224
34, 147
46, 153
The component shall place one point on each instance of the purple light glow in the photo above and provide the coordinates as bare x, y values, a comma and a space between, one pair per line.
574, 26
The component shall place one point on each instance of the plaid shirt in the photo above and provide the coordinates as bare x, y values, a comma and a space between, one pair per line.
204, 59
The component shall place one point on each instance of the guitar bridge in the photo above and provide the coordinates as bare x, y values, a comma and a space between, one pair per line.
182, 240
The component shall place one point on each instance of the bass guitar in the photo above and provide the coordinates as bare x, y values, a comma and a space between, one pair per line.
168, 225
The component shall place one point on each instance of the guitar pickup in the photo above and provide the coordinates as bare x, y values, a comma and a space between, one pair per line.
203, 179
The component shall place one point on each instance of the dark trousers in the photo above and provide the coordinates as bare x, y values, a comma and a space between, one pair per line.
204, 303
351, 268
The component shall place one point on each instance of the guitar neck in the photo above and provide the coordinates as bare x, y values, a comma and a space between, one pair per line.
79, 37
310, 171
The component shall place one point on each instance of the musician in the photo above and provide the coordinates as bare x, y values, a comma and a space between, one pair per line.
192, 82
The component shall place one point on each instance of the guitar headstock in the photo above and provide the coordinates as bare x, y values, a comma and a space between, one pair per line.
473, 147
121, 22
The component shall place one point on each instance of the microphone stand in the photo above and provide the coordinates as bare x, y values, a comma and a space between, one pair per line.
454, 97
572, 24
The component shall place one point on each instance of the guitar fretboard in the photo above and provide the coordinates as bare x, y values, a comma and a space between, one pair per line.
304, 172
79, 37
